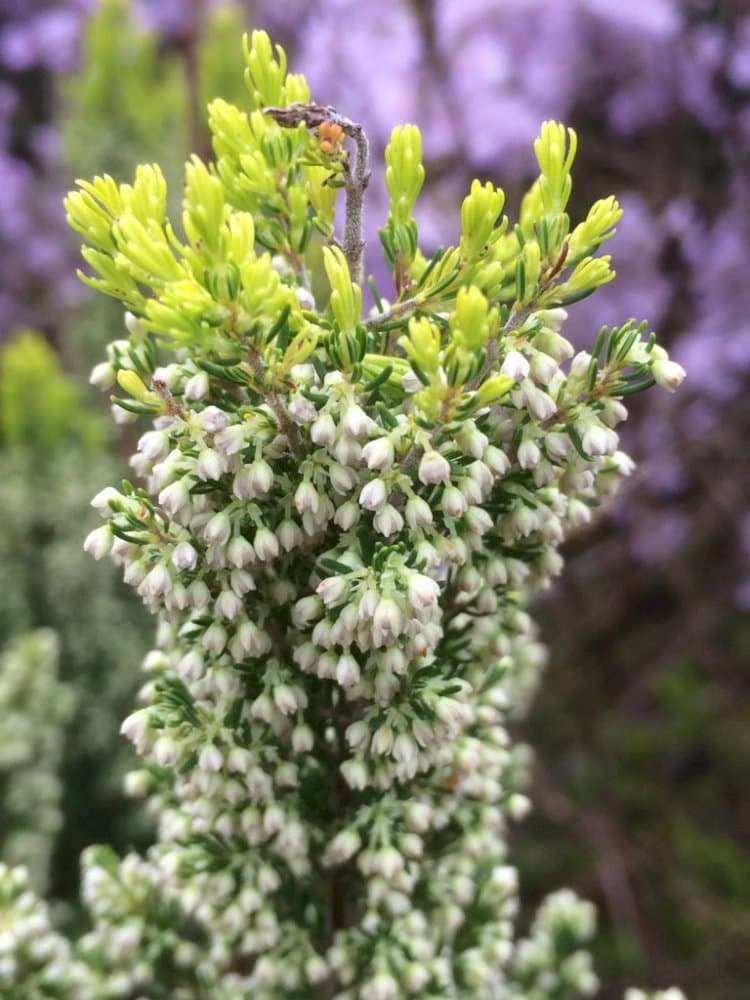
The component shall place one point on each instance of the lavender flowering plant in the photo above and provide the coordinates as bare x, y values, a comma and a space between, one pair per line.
342, 522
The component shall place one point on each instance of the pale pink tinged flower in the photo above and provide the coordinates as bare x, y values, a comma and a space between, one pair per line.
158, 581
306, 610
211, 465
358, 735
240, 552
433, 468
301, 410
228, 605
478, 520
333, 590
213, 419
303, 739
423, 591
219, 529
165, 751
541, 405
261, 476
417, 512
344, 846
242, 484
154, 445
598, 440
347, 515
347, 451
175, 497
373, 494
354, 772
388, 521
214, 638
515, 366
98, 543
405, 749
266, 544
323, 431
184, 556
624, 463
379, 454
355, 422
347, 671
231, 440
191, 666
528, 455
496, 460
343, 479
306, 498
388, 617
198, 595
210, 758
453, 502
289, 534
285, 699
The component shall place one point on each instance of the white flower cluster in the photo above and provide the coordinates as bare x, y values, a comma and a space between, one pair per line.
339, 523
342, 636
35, 707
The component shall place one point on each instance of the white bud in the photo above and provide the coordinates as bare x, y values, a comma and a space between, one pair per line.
344, 845
417, 512
668, 374
98, 543
285, 699
219, 529
102, 376
423, 591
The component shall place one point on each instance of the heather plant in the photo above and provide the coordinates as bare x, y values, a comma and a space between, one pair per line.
342, 520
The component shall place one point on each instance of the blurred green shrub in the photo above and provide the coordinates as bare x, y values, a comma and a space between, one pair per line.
35, 707
51, 463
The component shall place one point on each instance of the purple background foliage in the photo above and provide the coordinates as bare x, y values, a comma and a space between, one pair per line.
659, 91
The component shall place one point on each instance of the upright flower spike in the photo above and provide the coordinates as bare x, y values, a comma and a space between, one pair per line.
338, 525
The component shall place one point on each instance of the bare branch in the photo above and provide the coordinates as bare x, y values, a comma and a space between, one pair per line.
357, 177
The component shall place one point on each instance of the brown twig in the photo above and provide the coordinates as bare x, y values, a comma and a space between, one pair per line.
356, 178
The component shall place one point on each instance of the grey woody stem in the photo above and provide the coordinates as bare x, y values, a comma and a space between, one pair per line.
356, 176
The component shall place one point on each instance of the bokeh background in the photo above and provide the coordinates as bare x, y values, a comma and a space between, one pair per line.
641, 729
